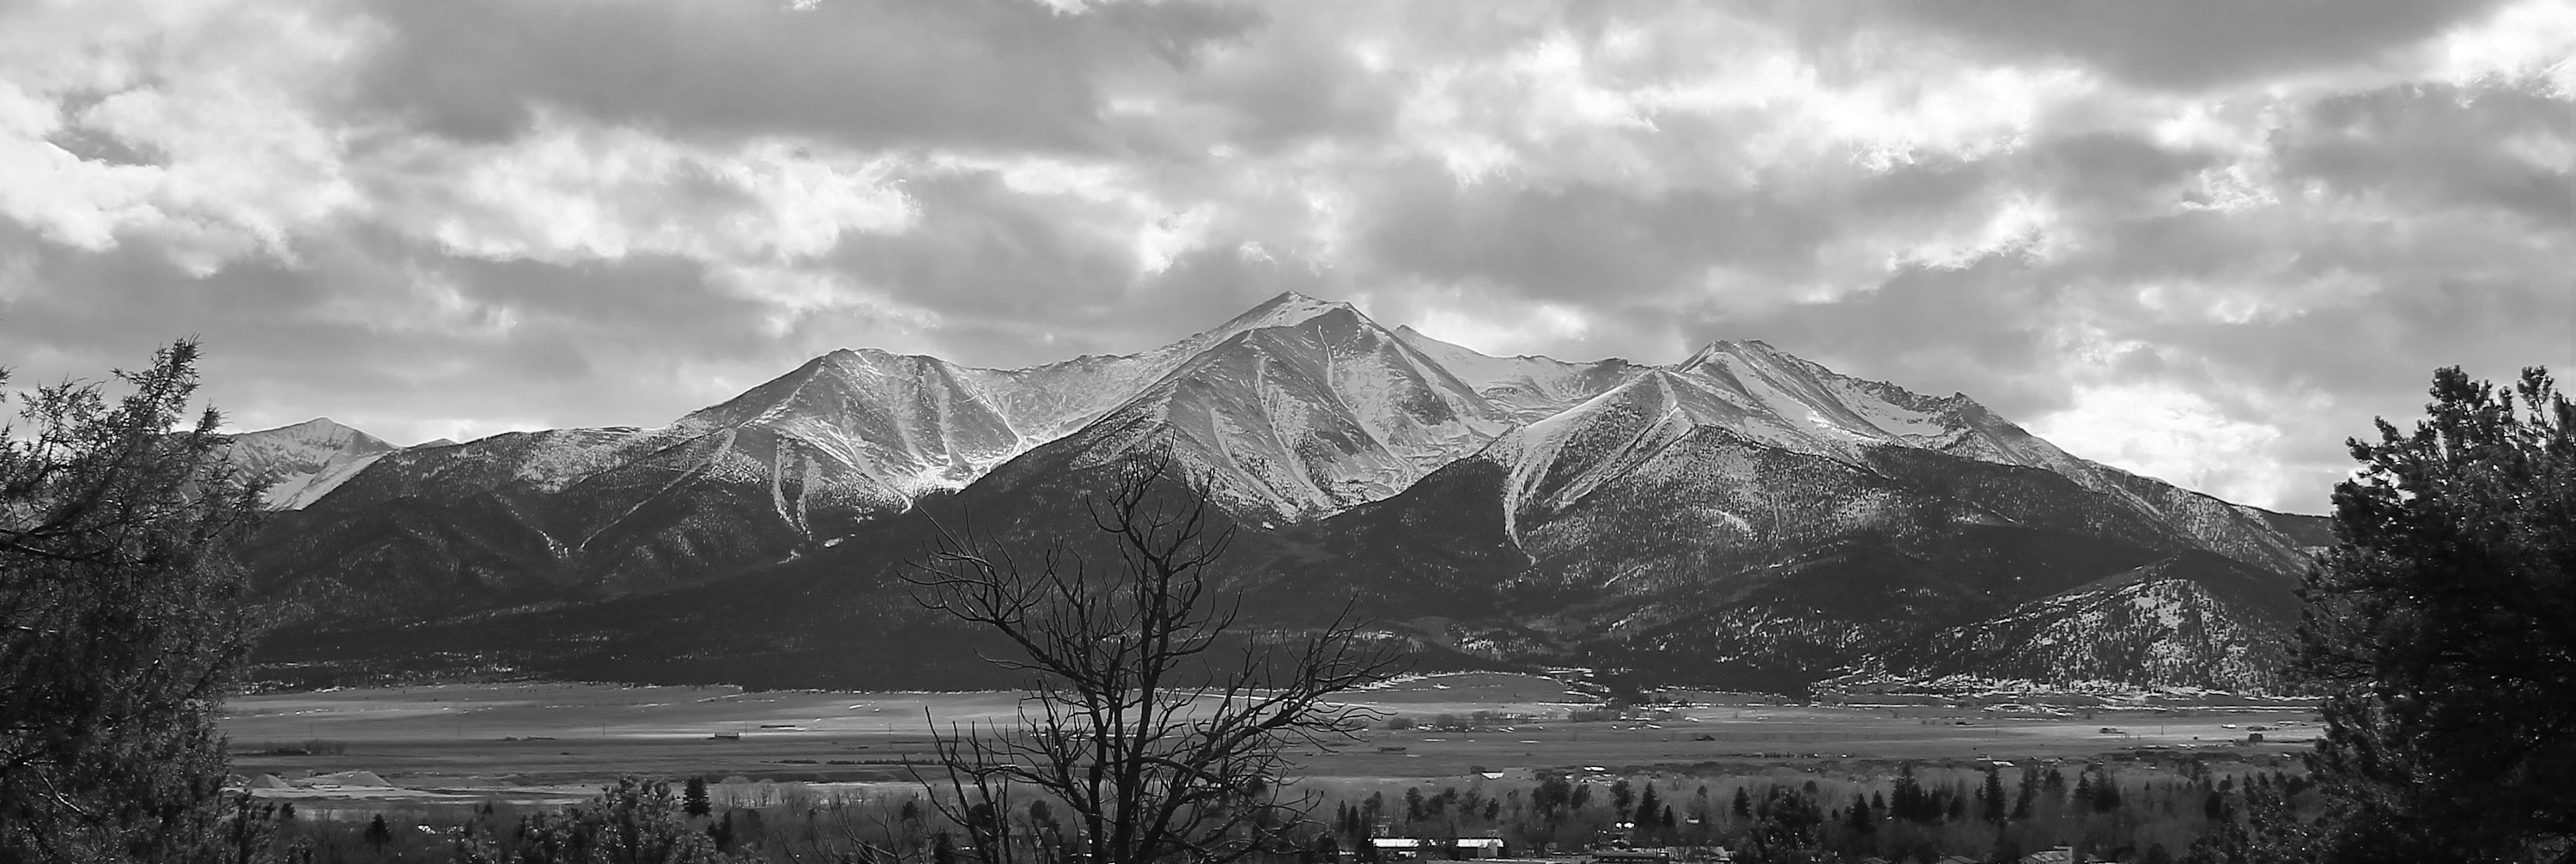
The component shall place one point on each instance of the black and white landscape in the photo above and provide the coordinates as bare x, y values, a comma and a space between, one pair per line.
1268, 431
1742, 518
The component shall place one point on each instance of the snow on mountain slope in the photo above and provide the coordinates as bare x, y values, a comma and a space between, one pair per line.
2191, 620
1312, 409
1530, 387
532, 462
904, 422
1051, 401
1803, 406
305, 460
1744, 513
1766, 395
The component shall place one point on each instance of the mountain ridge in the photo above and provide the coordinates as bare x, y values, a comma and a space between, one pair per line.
1691, 518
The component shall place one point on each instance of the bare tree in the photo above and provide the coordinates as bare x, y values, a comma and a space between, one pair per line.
1163, 727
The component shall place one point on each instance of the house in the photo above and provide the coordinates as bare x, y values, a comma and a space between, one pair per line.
1409, 848
2059, 855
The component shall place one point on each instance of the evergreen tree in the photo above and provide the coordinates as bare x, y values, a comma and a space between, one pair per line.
2106, 793
1621, 795
2439, 625
693, 801
121, 618
1743, 806
1649, 808
2264, 830
1908, 802
1992, 795
378, 833
633, 822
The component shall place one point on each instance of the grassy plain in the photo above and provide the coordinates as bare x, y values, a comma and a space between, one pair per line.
545, 742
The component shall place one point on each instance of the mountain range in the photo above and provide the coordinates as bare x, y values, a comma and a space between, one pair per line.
1743, 518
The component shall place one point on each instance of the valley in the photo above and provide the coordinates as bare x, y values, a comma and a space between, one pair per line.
557, 742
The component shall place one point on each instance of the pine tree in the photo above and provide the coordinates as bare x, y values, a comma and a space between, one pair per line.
1908, 800
693, 801
720, 832
1992, 795
121, 618
2439, 627
2106, 793
378, 833
1649, 808
1743, 806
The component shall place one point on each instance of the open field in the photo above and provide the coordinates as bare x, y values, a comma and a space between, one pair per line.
537, 743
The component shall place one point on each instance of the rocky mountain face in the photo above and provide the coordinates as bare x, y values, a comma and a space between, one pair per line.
1742, 518
305, 461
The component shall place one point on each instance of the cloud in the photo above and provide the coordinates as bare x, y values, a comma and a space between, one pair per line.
567, 192
974, 74
2183, 238
179, 123
2184, 44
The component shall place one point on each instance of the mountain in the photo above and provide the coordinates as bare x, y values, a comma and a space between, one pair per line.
1304, 409
1293, 409
1530, 388
1752, 519
2187, 621
307, 460
1741, 518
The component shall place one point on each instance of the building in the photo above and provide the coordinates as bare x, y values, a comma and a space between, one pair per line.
1410, 848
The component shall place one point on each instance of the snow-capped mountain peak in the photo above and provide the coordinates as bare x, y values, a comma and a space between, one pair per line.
305, 460
1286, 310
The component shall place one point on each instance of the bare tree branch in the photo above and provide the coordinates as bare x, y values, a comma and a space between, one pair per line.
1165, 745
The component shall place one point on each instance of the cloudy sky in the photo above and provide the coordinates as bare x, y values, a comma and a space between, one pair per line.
2205, 240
